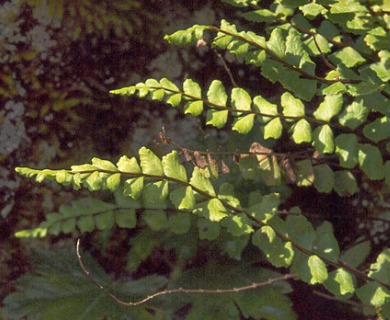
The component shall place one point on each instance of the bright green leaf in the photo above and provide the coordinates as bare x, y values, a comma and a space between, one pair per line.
243, 124
217, 118
323, 139
292, 107
192, 89
150, 163
199, 181
330, 107
173, 168
301, 131
128, 165
318, 270
217, 94
273, 129
348, 56
354, 115
133, 187
276, 43
113, 182
183, 198
103, 164
193, 107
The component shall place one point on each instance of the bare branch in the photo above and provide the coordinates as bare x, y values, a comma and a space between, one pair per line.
254, 285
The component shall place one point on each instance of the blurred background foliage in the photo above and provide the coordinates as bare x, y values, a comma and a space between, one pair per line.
58, 61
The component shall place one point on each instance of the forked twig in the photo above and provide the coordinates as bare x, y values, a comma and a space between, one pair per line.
178, 290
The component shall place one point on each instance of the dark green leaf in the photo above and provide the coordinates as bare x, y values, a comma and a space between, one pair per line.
347, 149
370, 161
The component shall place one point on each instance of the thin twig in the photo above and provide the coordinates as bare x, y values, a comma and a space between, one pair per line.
226, 68
326, 61
254, 285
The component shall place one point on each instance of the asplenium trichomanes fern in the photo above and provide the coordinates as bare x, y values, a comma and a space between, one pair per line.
332, 60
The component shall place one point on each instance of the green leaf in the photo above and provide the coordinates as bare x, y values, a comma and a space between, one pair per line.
199, 181
173, 168
261, 105
94, 182
273, 129
155, 195
185, 37
208, 230
133, 187
244, 124
241, 100
292, 107
86, 223
334, 89
305, 173
105, 220
301, 231
354, 115
113, 182
183, 198
238, 225
344, 278
264, 207
212, 209
347, 149
348, 56
373, 294
128, 165
380, 270
179, 223
300, 266
345, 183
261, 15
155, 219
126, 218
217, 118
280, 254
318, 270
150, 163
326, 244
340, 283
370, 161
276, 43
323, 178
193, 107
103, 164
323, 139
330, 107
192, 89
301, 131
312, 10
378, 130
356, 255
217, 94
